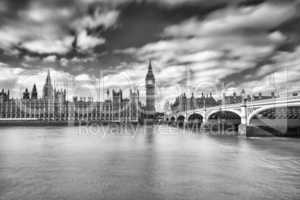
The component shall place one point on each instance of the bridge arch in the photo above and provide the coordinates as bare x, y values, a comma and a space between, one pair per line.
172, 119
258, 111
225, 110
195, 120
228, 119
180, 120
278, 120
195, 116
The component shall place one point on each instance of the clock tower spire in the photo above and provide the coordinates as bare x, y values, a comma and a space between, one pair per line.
150, 92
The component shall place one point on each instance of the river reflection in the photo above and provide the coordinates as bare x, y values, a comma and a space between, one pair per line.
153, 162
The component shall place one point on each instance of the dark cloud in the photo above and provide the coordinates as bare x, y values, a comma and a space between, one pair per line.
236, 42
291, 29
251, 2
141, 23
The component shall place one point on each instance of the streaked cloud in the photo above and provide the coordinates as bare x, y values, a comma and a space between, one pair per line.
83, 77
49, 46
105, 19
194, 44
232, 20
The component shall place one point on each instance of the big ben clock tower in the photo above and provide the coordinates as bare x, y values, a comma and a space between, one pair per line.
150, 92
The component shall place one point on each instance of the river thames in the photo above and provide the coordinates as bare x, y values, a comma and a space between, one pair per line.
152, 163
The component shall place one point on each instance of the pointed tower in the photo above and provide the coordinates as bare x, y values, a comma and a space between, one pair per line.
48, 88
34, 93
150, 91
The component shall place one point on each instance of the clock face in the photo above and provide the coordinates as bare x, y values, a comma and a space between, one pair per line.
149, 82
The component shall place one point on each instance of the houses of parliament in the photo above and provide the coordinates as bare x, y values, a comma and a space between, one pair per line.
53, 105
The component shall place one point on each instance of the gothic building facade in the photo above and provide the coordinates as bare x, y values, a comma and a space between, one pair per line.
54, 106
4, 96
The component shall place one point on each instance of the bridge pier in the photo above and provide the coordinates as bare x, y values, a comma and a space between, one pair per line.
242, 130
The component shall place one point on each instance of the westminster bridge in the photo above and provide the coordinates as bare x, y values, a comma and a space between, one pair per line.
276, 116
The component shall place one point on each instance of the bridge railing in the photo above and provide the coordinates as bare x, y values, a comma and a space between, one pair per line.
288, 99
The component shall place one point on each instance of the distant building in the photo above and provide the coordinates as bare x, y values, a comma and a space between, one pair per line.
234, 98
261, 96
182, 103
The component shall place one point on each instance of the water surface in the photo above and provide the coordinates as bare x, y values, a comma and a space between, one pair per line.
145, 163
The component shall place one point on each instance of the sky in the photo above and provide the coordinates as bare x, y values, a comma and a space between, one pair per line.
195, 45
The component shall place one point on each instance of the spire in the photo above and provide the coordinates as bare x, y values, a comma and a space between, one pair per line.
34, 92
150, 66
48, 79
48, 88
150, 72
